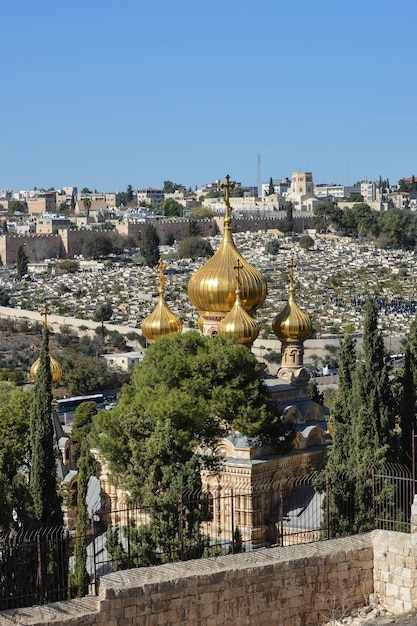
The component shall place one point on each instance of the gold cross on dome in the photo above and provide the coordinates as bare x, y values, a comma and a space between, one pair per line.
227, 186
45, 312
238, 266
161, 267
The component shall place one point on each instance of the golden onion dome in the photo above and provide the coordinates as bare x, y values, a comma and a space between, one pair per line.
55, 366
161, 321
292, 322
56, 370
212, 288
239, 323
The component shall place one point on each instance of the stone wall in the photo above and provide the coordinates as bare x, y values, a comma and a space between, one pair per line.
303, 585
69, 242
294, 586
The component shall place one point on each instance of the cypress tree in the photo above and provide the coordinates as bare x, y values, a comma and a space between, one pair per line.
22, 262
79, 578
43, 475
150, 245
408, 397
338, 468
364, 430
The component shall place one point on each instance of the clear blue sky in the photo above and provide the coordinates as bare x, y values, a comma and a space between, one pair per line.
106, 94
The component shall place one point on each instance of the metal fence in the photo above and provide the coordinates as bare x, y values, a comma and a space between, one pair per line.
35, 566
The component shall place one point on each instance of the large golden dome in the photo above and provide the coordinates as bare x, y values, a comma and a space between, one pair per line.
55, 366
212, 288
56, 370
161, 321
292, 322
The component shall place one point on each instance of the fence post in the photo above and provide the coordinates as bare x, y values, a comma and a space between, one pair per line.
232, 518
281, 513
40, 572
373, 495
327, 508
129, 564
93, 531
180, 527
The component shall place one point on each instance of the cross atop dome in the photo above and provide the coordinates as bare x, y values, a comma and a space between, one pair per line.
227, 186
45, 312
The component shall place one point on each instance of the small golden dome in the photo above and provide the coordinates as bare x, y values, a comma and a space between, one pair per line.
239, 323
56, 370
292, 322
161, 321
212, 288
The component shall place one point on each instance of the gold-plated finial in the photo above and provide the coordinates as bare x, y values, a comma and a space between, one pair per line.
237, 267
161, 267
227, 186
45, 312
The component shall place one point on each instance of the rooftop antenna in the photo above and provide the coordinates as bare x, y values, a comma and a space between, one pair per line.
259, 176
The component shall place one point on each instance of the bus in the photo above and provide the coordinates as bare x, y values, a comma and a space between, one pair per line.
69, 405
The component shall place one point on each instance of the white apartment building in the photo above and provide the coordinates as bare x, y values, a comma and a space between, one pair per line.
335, 191
368, 191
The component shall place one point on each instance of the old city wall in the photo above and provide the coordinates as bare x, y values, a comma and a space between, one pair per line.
302, 585
69, 242
38, 247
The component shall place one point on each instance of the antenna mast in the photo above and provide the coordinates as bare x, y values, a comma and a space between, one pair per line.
259, 176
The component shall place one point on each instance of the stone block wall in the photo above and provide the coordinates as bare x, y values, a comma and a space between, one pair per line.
301, 585
395, 570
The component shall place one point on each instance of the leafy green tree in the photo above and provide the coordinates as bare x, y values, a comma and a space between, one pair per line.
150, 246
202, 212
407, 401
194, 247
327, 215
271, 188
170, 187
43, 477
172, 208
67, 265
85, 374
339, 468
14, 435
103, 313
364, 429
83, 421
4, 297
187, 392
272, 246
17, 206
355, 197
96, 245
193, 229
315, 394
79, 578
22, 262
306, 242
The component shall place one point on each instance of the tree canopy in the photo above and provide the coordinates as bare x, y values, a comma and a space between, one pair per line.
364, 432
150, 245
194, 247
187, 392
14, 436
172, 208
96, 245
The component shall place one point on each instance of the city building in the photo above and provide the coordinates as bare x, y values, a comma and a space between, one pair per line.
154, 197
42, 203
335, 192
301, 192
